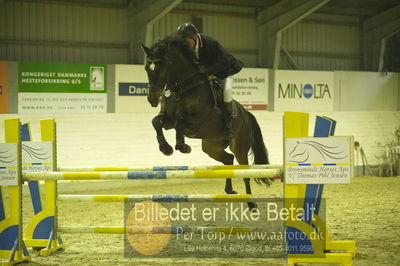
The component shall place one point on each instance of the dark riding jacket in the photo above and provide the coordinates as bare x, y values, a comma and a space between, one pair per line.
216, 59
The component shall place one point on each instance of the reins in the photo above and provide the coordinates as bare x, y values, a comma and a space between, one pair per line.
186, 84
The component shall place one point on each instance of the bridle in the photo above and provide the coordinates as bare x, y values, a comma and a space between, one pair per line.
152, 62
180, 87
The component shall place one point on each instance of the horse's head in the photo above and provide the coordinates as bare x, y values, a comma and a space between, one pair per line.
156, 72
167, 62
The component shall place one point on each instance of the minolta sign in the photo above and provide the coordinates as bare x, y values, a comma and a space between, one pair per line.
133, 89
303, 91
293, 90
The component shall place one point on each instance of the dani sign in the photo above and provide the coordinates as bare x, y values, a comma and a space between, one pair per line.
133, 89
305, 91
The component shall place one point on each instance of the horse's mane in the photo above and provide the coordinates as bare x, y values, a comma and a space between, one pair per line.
159, 49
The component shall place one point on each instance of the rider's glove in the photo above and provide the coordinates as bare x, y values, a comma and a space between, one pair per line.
211, 77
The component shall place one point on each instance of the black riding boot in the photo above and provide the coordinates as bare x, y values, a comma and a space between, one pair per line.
228, 120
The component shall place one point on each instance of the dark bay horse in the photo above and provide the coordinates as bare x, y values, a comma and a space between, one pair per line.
187, 105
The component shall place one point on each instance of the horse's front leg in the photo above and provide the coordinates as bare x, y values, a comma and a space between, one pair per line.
158, 122
229, 187
180, 138
251, 205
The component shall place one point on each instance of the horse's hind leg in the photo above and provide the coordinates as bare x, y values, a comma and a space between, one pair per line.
242, 158
240, 146
180, 138
216, 150
158, 122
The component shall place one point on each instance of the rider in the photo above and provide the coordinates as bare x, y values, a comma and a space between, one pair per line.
217, 62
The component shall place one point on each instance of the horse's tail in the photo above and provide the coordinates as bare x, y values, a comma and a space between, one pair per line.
258, 149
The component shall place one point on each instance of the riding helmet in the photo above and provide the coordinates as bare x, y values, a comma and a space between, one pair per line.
187, 30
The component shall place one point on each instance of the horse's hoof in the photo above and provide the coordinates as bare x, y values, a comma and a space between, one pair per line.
166, 149
231, 192
184, 148
252, 206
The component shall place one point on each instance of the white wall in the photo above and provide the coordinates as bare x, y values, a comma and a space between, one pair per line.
366, 91
351, 90
129, 139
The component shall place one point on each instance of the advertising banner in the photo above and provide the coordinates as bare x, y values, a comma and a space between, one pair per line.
37, 156
304, 91
250, 88
131, 89
62, 88
3, 87
319, 160
9, 161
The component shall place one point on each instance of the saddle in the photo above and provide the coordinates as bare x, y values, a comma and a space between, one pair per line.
217, 92
216, 86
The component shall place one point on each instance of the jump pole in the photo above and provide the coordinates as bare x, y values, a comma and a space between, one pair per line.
166, 168
167, 198
171, 174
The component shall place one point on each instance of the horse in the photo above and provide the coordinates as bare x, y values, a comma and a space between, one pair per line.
177, 81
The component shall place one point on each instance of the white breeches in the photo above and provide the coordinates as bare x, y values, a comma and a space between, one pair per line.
228, 89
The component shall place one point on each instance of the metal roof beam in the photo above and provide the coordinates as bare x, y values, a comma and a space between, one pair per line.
242, 3
65, 44
74, 3
359, 12
213, 13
